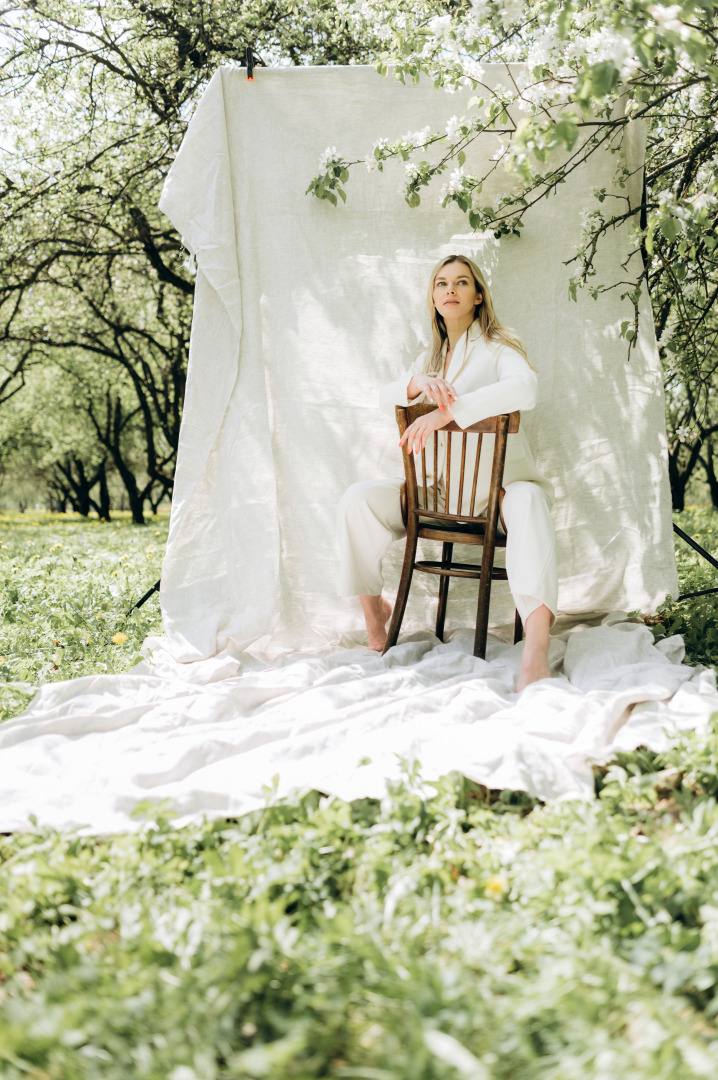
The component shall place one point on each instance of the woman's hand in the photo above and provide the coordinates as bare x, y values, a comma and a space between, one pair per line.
438, 391
417, 433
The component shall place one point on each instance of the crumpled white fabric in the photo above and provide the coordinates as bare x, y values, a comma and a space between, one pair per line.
216, 737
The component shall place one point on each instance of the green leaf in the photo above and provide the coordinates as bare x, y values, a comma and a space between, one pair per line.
566, 132
670, 227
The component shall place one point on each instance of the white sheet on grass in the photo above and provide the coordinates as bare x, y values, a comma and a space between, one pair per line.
302, 312
211, 737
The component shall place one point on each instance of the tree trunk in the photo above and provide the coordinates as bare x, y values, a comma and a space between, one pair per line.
110, 435
82, 489
134, 495
678, 481
103, 508
706, 460
79, 483
679, 475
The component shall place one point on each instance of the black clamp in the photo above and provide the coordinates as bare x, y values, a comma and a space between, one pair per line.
252, 60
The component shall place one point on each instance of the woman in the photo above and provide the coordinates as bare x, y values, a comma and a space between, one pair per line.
475, 368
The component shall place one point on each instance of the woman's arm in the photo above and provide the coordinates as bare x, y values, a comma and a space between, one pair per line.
437, 391
414, 386
516, 389
397, 392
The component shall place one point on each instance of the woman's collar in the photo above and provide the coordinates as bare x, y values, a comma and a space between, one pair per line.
473, 332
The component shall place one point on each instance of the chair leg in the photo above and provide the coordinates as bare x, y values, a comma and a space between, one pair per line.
403, 594
482, 611
518, 628
446, 553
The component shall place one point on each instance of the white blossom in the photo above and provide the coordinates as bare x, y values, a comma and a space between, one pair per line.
474, 70
565, 55
452, 127
512, 11
695, 98
454, 184
328, 158
667, 17
417, 139
440, 25
456, 181
665, 336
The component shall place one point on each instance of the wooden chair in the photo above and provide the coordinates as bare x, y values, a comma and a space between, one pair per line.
425, 518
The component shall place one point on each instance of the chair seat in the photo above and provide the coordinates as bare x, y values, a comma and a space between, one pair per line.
457, 532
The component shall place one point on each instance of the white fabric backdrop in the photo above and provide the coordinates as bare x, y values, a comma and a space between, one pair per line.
304, 310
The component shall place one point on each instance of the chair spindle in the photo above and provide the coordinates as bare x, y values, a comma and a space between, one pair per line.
476, 475
447, 473
461, 473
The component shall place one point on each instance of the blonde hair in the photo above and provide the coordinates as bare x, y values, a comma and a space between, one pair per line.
484, 314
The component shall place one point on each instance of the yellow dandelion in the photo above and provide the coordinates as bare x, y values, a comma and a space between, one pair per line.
118, 639
496, 887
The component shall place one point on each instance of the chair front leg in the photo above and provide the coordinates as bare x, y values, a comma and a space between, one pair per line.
402, 595
518, 628
482, 613
446, 553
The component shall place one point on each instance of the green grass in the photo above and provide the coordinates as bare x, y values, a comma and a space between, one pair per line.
67, 587
442, 932
695, 619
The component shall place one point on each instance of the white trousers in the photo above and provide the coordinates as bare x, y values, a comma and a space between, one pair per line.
369, 518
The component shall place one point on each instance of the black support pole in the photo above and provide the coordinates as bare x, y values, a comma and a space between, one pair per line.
143, 600
704, 555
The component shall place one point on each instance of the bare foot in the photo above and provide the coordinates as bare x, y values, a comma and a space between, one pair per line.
377, 612
534, 666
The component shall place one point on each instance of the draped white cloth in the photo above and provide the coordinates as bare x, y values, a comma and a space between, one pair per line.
302, 312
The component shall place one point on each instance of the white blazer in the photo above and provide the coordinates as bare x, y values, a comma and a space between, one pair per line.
490, 379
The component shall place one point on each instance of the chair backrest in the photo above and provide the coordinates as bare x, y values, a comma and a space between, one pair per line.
428, 491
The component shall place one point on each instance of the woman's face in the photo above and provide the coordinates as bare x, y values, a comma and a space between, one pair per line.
455, 295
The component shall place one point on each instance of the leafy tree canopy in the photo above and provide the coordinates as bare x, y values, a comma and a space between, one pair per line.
99, 95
